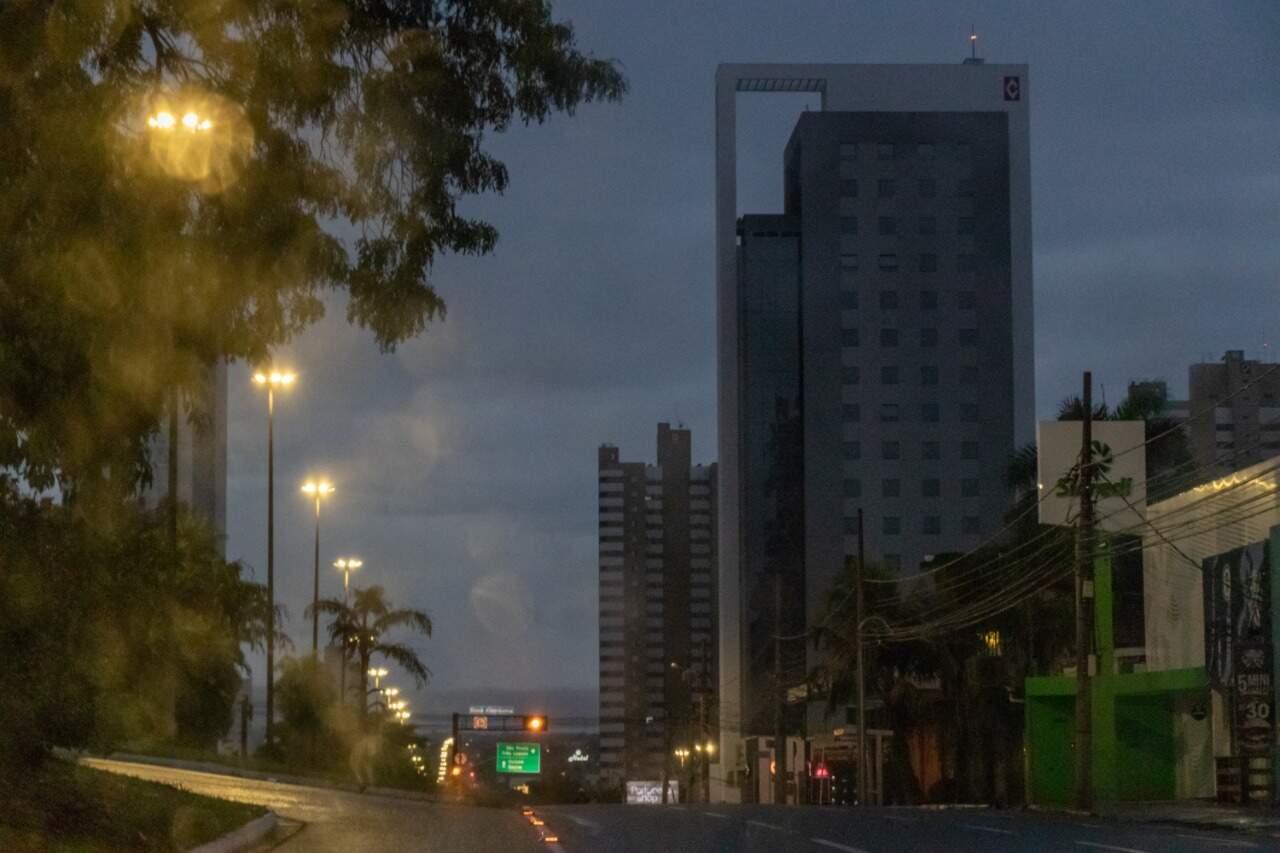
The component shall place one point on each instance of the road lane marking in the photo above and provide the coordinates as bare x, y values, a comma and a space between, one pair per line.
767, 825
900, 818
1109, 847
1209, 839
716, 814
845, 847
980, 828
582, 821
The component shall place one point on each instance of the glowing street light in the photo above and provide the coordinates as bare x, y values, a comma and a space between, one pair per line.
347, 565
316, 489
272, 380
377, 673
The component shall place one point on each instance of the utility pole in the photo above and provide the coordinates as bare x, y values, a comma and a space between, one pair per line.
1084, 607
780, 729
271, 567
862, 677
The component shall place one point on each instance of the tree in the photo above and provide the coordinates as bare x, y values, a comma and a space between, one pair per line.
358, 629
341, 138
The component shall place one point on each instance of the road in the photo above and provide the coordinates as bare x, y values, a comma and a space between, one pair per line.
757, 829
355, 823
343, 822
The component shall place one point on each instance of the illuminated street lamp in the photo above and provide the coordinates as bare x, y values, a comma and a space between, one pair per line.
316, 489
377, 673
681, 753
271, 380
346, 565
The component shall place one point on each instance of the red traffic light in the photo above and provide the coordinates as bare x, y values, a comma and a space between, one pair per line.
535, 723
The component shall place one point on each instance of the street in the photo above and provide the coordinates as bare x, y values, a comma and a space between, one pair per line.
702, 829
343, 821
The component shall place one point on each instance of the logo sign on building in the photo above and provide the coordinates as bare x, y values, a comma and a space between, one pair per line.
1119, 473
648, 792
492, 710
519, 758
1013, 88
578, 757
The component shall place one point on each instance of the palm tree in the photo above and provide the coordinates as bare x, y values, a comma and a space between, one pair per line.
359, 627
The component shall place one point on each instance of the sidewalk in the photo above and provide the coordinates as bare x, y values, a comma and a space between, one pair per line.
1201, 814
264, 776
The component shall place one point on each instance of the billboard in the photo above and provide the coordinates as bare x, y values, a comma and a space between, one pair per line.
1237, 642
1120, 477
647, 792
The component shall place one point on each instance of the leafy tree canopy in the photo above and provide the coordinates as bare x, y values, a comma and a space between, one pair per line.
329, 146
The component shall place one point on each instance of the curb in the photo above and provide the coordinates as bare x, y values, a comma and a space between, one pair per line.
240, 839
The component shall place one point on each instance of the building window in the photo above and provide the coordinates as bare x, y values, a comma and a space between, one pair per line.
925, 151
969, 412
853, 488
888, 262
968, 450
964, 187
966, 300
848, 225
928, 262
889, 413
848, 151
849, 337
971, 524
892, 525
849, 187
928, 225
853, 450
886, 188
928, 188
969, 374
851, 412
888, 337
888, 226
931, 488
969, 487
928, 337
851, 375
849, 299
966, 263
891, 450
931, 450
965, 226
929, 374
884, 151
932, 525
849, 261
929, 413
964, 151
968, 337
888, 300
890, 488
889, 374
928, 300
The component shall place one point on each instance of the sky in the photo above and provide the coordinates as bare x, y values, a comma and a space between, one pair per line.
465, 461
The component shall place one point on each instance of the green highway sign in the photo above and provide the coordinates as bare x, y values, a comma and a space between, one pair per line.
524, 758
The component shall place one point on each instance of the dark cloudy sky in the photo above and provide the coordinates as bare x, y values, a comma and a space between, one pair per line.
465, 461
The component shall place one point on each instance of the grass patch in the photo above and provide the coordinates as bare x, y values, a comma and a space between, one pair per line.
68, 808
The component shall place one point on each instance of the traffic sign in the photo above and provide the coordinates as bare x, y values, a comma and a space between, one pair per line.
522, 758
460, 758
480, 723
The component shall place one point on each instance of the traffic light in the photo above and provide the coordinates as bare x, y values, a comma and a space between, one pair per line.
535, 723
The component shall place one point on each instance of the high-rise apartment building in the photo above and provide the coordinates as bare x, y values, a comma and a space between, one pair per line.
875, 347
658, 647
202, 455
1233, 414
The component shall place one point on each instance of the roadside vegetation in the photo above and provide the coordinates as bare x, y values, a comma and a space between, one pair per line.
68, 808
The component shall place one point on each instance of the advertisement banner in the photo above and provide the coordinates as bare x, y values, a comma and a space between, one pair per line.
649, 793
1119, 473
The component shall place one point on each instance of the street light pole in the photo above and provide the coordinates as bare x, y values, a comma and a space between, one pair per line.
271, 381
346, 565
318, 490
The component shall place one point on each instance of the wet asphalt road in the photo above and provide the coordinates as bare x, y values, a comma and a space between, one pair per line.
342, 821
769, 829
